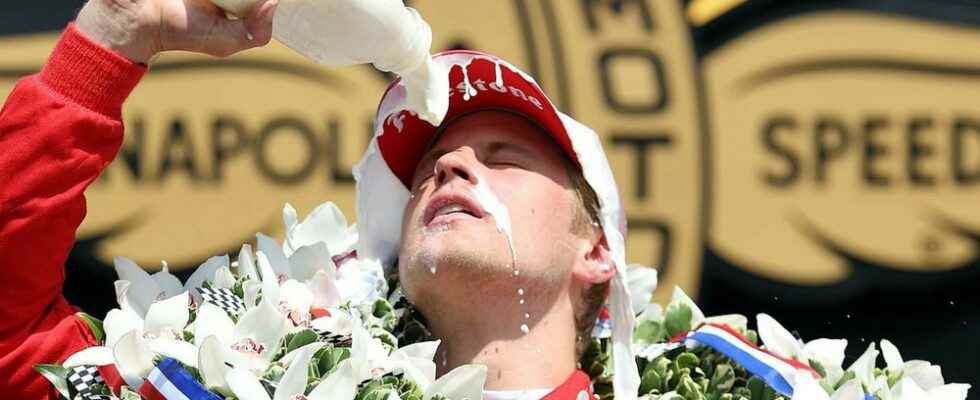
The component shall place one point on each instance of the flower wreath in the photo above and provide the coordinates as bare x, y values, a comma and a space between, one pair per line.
309, 320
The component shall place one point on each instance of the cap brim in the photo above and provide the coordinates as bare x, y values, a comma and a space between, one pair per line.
406, 138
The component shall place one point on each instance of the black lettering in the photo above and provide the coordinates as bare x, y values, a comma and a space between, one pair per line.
228, 138
830, 140
658, 98
873, 150
962, 175
338, 172
284, 126
618, 7
640, 143
178, 153
918, 150
770, 130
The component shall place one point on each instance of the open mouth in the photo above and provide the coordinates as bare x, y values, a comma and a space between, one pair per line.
447, 207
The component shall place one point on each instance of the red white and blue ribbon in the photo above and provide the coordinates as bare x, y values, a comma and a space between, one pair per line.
170, 381
777, 372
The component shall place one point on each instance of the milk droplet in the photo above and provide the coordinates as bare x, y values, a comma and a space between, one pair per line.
517, 272
500, 76
521, 301
520, 292
468, 90
525, 329
432, 269
527, 316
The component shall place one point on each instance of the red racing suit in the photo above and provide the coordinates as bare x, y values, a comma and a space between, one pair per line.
59, 129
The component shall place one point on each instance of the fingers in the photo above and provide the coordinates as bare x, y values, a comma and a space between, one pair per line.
231, 36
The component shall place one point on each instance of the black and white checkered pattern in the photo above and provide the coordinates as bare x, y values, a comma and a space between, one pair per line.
336, 340
82, 378
225, 299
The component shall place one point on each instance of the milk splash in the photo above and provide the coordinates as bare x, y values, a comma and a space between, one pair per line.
492, 205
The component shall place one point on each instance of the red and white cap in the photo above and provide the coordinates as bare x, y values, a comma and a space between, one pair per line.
479, 81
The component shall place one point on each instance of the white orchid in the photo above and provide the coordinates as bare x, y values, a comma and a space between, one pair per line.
829, 353
325, 224
132, 338
920, 379
642, 281
249, 344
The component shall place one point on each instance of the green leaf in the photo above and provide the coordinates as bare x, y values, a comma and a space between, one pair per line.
94, 325
300, 339
687, 360
648, 332
678, 319
57, 375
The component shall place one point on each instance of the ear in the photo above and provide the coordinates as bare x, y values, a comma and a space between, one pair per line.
595, 265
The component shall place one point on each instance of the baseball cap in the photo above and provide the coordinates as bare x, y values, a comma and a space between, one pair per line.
479, 81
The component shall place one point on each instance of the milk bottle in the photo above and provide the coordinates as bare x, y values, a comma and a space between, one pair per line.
385, 33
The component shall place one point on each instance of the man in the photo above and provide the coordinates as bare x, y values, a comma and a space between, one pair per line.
504, 220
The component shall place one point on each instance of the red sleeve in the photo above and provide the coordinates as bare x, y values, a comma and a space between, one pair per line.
58, 130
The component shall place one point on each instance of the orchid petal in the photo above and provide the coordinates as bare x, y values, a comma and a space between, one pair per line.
205, 272
461, 383
133, 359
952, 391
246, 263
325, 292
339, 385
652, 312
264, 324
168, 315
223, 278
97, 356
864, 366
213, 321
807, 388
289, 216
168, 283
422, 372
142, 290
324, 224
892, 357
294, 381
270, 281
245, 386
852, 390
307, 260
179, 350
252, 290
338, 323
314, 347
642, 281
295, 296
272, 250
119, 322
828, 352
423, 350
906, 389
776, 338
211, 363
924, 374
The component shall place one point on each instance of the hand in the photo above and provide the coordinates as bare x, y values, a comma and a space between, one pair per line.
139, 29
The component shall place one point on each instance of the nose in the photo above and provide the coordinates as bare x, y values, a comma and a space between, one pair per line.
456, 164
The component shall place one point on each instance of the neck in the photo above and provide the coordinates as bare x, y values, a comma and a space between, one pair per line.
489, 331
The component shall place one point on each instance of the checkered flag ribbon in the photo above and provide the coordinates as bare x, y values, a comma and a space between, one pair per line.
336, 340
225, 299
82, 378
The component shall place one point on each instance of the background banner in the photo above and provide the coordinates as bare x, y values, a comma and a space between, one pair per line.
818, 160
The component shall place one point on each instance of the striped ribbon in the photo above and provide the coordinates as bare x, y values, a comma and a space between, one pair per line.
170, 381
777, 372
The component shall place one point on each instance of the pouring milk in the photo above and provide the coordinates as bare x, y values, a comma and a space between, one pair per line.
385, 33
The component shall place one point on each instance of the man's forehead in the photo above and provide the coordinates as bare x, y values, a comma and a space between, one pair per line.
493, 129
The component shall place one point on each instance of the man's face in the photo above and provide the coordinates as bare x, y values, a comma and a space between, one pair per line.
451, 245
